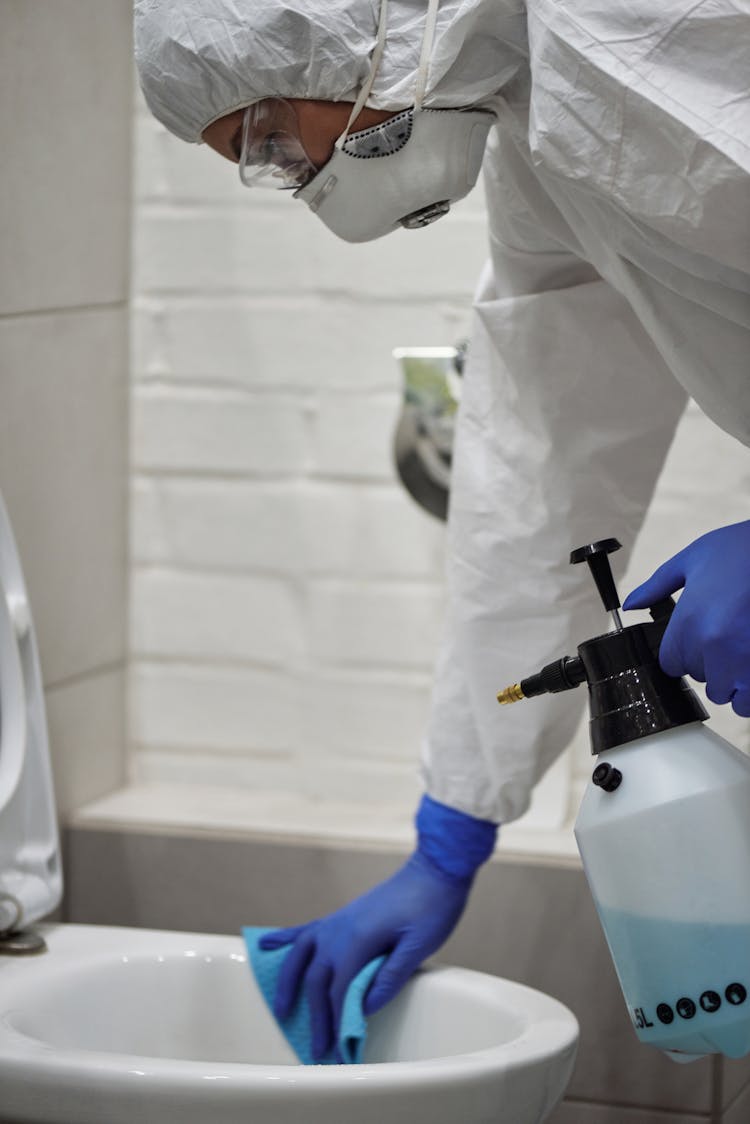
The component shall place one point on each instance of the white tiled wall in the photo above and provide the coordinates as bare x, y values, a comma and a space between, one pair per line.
65, 203
287, 594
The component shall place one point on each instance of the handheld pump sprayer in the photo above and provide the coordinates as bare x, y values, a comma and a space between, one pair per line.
664, 834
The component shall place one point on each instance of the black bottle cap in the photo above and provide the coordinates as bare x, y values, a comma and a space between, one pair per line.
630, 697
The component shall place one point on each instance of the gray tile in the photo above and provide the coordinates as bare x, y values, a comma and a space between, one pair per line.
735, 1078
576, 1112
208, 885
65, 124
739, 1111
63, 470
86, 720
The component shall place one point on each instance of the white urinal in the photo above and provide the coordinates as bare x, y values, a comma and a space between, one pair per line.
114, 1025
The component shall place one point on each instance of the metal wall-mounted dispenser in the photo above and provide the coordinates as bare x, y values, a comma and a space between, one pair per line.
664, 834
423, 441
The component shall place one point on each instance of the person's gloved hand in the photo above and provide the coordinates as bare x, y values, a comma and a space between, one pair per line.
406, 918
708, 636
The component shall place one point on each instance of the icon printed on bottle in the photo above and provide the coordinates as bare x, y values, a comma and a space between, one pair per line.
710, 1001
736, 994
686, 1008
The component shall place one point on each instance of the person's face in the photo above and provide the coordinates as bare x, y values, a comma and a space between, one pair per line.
320, 124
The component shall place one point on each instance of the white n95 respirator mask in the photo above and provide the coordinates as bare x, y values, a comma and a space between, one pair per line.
406, 172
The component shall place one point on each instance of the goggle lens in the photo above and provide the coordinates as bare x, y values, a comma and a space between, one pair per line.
272, 154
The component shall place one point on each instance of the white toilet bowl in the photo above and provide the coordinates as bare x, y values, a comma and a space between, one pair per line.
131, 1026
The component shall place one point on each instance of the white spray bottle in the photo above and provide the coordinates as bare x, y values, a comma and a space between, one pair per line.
664, 835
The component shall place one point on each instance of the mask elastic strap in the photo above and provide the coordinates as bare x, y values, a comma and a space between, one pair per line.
377, 54
422, 72
424, 60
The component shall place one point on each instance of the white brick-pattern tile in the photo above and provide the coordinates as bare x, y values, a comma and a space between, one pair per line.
352, 435
210, 707
215, 617
200, 431
372, 717
265, 250
291, 342
384, 625
316, 528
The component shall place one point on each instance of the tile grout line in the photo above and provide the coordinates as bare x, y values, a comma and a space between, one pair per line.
717, 1091
722, 1109
90, 673
667, 1113
30, 313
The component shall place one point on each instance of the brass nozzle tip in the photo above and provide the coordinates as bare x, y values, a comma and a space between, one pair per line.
511, 694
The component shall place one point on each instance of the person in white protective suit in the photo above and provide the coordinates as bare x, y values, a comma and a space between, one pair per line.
618, 284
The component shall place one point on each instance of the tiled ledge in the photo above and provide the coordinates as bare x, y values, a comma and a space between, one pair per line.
221, 812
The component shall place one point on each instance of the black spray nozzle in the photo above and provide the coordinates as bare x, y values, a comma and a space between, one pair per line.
560, 675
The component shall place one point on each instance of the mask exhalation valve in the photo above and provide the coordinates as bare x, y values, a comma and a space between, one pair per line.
425, 215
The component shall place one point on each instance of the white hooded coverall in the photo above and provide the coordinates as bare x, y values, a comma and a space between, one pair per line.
618, 189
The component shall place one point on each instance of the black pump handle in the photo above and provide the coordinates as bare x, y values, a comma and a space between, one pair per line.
595, 553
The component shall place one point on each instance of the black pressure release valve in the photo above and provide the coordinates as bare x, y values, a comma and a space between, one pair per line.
597, 556
607, 777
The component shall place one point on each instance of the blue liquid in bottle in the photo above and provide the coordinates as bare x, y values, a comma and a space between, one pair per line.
687, 985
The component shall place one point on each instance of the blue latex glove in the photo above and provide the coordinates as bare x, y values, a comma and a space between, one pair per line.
708, 636
406, 918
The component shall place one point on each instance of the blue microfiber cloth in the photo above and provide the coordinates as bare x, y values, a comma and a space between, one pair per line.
266, 964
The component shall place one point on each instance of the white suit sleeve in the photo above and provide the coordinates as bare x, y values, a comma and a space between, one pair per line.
566, 416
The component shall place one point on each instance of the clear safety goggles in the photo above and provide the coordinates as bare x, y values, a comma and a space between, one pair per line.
272, 153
